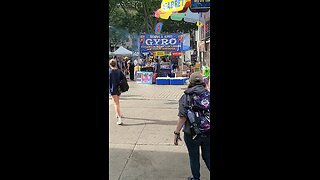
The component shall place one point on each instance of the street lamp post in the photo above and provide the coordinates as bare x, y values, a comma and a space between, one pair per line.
198, 44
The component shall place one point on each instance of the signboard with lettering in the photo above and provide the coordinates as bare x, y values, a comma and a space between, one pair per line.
172, 5
158, 28
176, 54
160, 53
200, 5
144, 77
161, 42
167, 54
207, 29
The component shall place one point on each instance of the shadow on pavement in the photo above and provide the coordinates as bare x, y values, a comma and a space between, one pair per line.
124, 98
171, 102
128, 95
130, 98
151, 163
153, 121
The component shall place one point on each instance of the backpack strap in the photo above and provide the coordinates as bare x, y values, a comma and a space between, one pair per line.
189, 103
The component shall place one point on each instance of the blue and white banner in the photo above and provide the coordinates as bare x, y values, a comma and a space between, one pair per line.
186, 42
161, 42
200, 5
158, 28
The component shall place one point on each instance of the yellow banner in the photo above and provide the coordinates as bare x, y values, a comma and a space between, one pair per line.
160, 53
172, 5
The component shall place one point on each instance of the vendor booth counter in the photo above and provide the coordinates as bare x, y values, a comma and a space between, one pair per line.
146, 69
178, 81
171, 81
144, 77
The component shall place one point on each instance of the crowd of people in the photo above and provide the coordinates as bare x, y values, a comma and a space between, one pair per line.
125, 65
130, 65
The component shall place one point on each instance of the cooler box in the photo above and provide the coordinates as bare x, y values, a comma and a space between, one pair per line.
178, 81
186, 79
163, 81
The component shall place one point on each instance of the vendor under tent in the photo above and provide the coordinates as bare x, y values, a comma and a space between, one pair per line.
121, 51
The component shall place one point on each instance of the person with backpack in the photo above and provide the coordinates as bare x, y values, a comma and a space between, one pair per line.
194, 118
115, 76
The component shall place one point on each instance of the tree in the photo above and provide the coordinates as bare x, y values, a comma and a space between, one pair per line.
117, 37
136, 16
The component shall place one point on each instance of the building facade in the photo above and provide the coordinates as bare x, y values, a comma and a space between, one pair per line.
204, 41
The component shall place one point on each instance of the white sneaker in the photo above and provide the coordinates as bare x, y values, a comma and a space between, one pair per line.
118, 116
119, 122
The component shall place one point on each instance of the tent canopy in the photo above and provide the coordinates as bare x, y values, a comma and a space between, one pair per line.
136, 54
123, 51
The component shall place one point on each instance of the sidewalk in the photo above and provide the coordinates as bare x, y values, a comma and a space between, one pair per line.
143, 147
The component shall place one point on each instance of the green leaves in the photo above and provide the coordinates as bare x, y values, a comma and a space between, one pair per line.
136, 16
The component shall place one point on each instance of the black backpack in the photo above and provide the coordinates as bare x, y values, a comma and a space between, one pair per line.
198, 113
123, 85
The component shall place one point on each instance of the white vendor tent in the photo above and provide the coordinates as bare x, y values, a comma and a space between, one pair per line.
122, 52
135, 54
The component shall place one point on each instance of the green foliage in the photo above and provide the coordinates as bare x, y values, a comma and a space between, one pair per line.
136, 16
170, 26
117, 37
132, 17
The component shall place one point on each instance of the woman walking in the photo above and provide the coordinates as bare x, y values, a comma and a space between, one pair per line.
115, 76
197, 86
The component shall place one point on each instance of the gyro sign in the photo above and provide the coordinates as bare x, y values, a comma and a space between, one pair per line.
160, 42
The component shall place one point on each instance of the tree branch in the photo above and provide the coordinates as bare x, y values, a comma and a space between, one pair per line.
124, 9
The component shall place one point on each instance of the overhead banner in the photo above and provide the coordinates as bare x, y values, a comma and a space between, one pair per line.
186, 42
207, 29
176, 54
172, 5
158, 28
200, 5
161, 42
160, 53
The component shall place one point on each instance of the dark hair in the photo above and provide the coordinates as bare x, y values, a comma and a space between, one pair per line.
196, 84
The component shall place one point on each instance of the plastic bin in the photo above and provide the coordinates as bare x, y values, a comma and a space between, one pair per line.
163, 81
178, 81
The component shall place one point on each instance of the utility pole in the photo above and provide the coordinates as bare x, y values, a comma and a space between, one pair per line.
198, 44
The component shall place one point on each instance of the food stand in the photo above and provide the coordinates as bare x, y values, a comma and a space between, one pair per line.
160, 45
144, 77
165, 70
